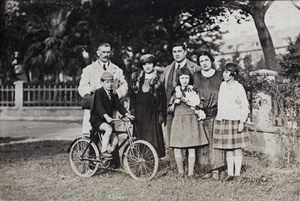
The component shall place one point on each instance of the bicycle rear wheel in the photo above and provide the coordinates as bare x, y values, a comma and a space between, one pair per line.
141, 160
83, 157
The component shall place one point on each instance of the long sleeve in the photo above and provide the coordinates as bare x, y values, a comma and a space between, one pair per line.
118, 105
84, 84
232, 102
244, 104
99, 104
122, 88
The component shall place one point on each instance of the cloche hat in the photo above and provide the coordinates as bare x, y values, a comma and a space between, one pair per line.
146, 58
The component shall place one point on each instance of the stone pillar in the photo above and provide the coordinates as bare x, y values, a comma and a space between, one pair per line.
19, 92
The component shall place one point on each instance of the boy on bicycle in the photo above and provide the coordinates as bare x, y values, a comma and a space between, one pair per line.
105, 101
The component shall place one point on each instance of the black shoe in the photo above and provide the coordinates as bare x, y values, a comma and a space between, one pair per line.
229, 178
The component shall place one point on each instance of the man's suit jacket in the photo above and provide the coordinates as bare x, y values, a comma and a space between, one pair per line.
169, 87
103, 105
90, 79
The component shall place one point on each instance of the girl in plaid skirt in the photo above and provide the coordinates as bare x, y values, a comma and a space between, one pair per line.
230, 132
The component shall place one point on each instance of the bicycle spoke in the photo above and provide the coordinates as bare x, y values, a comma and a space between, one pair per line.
142, 160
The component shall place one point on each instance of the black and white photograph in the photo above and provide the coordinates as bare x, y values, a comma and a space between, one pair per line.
150, 100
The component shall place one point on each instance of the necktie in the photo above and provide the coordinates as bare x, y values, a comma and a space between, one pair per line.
175, 78
104, 67
109, 94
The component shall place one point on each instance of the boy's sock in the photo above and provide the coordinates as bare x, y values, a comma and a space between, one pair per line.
238, 165
179, 164
191, 163
230, 162
104, 142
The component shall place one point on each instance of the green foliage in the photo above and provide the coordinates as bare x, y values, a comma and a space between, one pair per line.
52, 34
290, 62
48, 35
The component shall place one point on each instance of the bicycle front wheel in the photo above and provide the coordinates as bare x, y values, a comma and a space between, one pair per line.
141, 160
83, 157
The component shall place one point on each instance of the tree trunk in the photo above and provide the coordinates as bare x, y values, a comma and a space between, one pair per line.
265, 40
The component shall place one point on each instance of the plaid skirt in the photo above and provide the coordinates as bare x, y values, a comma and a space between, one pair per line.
226, 135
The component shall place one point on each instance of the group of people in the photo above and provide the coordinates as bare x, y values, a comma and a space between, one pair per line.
187, 111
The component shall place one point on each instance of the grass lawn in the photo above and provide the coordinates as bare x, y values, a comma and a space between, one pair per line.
41, 171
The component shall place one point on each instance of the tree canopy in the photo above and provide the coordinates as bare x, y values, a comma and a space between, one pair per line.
52, 34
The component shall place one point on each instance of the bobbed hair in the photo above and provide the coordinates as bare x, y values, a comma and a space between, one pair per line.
233, 68
184, 71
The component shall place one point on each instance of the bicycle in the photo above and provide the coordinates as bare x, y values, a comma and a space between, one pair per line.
139, 157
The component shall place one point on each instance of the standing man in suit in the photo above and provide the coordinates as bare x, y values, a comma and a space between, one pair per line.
179, 52
91, 75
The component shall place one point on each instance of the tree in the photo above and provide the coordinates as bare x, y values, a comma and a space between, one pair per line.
54, 37
257, 9
152, 26
290, 62
49, 35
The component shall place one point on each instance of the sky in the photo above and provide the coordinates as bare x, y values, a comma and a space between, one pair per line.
280, 15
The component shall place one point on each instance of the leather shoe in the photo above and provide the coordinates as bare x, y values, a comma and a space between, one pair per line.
229, 178
207, 176
215, 176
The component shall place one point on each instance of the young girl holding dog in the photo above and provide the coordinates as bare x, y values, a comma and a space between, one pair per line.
186, 132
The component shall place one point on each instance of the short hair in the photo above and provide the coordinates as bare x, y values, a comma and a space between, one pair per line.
205, 53
233, 68
103, 45
180, 44
184, 71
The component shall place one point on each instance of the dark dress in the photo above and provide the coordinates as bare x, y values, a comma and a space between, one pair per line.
209, 158
146, 107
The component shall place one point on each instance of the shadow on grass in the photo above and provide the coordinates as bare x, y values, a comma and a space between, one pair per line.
32, 150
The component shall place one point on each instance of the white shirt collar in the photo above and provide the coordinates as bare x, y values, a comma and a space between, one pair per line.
101, 63
181, 63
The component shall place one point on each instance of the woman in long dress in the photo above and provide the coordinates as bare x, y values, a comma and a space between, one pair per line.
208, 81
147, 103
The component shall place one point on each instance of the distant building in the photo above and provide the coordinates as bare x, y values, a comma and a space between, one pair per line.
249, 44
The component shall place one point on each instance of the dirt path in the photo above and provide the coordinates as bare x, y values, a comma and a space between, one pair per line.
28, 131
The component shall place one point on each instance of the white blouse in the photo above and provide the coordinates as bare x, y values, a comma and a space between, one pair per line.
232, 102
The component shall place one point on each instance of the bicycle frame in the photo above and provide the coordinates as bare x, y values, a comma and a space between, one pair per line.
129, 138
139, 157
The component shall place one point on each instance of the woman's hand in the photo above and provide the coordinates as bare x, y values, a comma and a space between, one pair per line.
131, 117
171, 108
161, 118
201, 114
241, 126
177, 101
